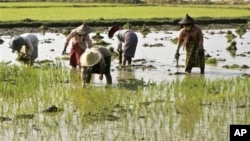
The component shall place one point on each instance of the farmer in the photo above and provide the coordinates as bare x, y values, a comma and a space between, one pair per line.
26, 46
191, 38
97, 59
80, 40
127, 50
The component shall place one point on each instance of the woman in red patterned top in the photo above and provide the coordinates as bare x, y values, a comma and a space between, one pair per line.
80, 42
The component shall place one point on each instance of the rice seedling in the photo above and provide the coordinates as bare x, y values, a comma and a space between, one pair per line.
191, 109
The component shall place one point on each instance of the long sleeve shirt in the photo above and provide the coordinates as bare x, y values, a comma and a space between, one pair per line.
31, 42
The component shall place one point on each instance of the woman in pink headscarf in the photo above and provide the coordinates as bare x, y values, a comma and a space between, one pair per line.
80, 42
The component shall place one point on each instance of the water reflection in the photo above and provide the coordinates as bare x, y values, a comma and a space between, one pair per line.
162, 58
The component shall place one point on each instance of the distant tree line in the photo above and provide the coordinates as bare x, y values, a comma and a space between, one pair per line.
133, 1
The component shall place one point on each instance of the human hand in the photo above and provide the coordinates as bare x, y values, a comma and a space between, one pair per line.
63, 52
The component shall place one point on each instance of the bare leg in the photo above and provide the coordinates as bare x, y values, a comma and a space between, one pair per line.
124, 61
108, 78
129, 61
202, 70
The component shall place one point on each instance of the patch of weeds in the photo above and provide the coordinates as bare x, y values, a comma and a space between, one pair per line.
145, 30
175, 40
230, 36
241, 30
127, 26
234, 66
153, 45
66, 31
131, 84
232, 46
97, 36
211, 61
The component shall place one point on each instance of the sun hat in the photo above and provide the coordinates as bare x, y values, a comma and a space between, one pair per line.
112, 30
187, 20
90, 57
16, 43
83, 29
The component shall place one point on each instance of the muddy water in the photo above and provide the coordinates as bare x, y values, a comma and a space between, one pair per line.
160, 59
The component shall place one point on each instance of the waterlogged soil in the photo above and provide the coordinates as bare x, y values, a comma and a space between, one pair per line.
154, 59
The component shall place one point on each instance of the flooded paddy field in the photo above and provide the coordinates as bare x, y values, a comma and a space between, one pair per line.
154, 59
48, 103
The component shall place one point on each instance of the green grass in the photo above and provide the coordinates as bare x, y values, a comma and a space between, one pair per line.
73, 11
172, 110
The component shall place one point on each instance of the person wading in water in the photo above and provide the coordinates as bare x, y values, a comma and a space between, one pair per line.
191, 38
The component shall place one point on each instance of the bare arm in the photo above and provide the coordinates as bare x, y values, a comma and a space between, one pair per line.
71, 35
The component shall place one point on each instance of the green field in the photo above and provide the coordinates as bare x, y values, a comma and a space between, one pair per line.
74, 11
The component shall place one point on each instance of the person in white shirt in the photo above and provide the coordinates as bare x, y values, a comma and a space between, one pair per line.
27, 44
127, 44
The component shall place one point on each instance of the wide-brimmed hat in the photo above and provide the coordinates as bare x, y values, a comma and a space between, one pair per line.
112, 30
90, 57
83, 29
187, 20
16, 43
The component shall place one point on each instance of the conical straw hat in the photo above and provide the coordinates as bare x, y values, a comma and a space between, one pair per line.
187, 20
90, 57
83, 29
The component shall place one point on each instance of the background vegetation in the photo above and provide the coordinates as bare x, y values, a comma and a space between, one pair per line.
34, 14
142, 1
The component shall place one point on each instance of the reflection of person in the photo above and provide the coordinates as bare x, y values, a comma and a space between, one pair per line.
80, 41
26, 45
191, 39
127, 50
97, 59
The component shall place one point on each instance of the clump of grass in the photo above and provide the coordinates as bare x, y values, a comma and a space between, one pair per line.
234, 66
232, 46
145, 30
230, 36
97, 36
175, 40
127, 26
132, 84
211, 61
241, 30
66, 31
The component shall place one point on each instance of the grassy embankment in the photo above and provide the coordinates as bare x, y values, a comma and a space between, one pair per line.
62, 14
191, 109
